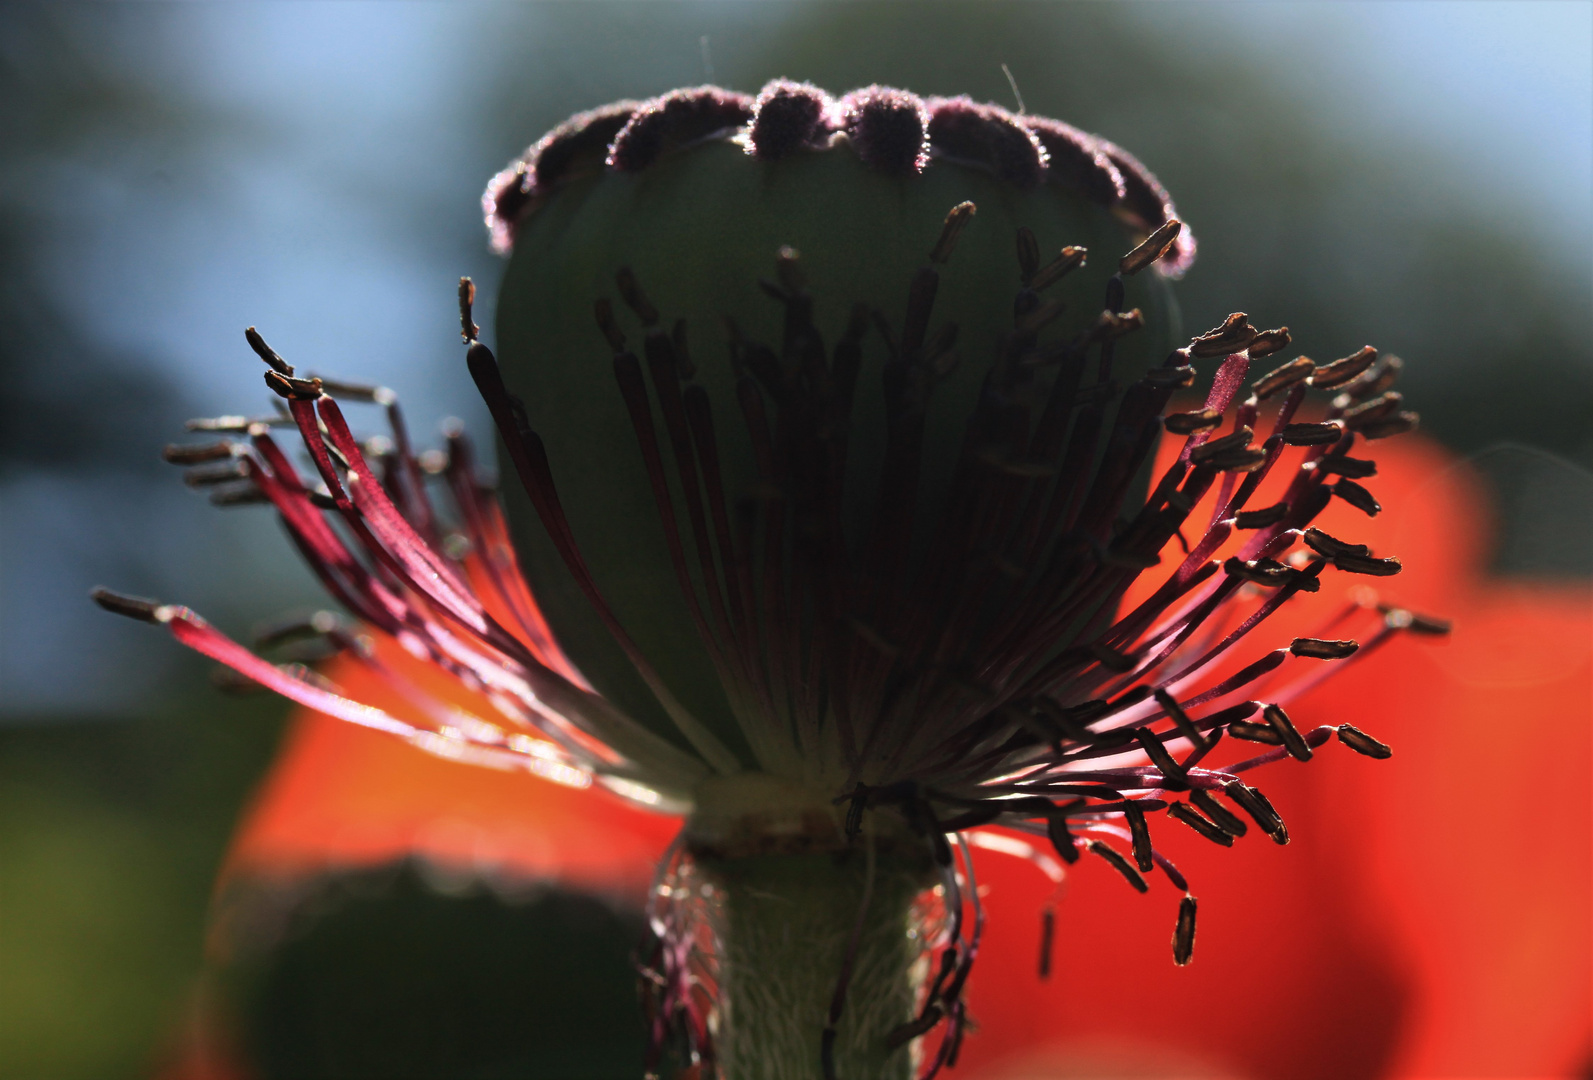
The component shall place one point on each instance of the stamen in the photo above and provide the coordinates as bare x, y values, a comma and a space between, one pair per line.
956, 220
1296, 370
1208, 450
1331, 547
1288, 734
1311, 434
1069, 259
198, 453
1398, 424
1224, 818
1187, 423
1268, 342
1362, 743
1342, 371
134, 607
1188, 816
1339, 465
1231, 337
1120, 864
1140, 832
267, 353
635, 299
1154, 246
467, 299
1062, 838
1186, 727
1356, 496
1323, 649
1261, 519
1362, 564
216, 472
1184, 933
1047, 940
1028, 255
1258, 733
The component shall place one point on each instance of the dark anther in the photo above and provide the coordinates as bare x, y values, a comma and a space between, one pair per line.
1398, 424
1261, 733
1181, 721
1234, 334
1339, 465
956, 219
1272, 573
827, 1052
1140, 832
1282, 378
1238, 459
1224, 818
134, 607
1184, 933
1368, 412
1062, 839
631, 292
906, 1033
1187, 423
216, 472
1311, 434
286, 386
1269, 341
1375, 380
1047, 941
266, 352
1173, 378
1362, 564
1342, 371
197, 453
1356, 496
322, 501
1331, 546
1176, 778
1109, 658
1362, 743
1120, 864
1237, 440
1287, 732
1260, 519
1280, 834
1323, 649
1041, 315
244, 493
467, 300
1155, 245
788, 268
1028, 254
1426, 624
603, 310
1068, 260
1183, 812
1110, 325
1251, 802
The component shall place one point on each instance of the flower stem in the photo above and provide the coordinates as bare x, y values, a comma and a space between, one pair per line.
787, 928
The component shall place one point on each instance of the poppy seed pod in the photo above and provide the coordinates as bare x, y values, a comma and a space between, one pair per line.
864, 254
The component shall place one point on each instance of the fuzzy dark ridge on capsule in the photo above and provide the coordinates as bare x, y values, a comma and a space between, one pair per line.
892, 130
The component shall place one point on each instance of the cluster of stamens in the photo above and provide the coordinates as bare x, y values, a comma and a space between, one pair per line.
980, 674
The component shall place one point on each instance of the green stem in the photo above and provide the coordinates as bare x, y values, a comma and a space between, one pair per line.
787, 924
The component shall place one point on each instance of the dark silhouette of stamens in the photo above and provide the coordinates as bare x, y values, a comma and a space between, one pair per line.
1398, 424
1362, 743
1251, 802
1368, 412
1028, 254
1068, 260
1120, 864
1183, 812
215, 472
1184, 933
1287, 732
631, 292
1323, 649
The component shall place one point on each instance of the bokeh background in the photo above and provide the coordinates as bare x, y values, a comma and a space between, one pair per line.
1415, 175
